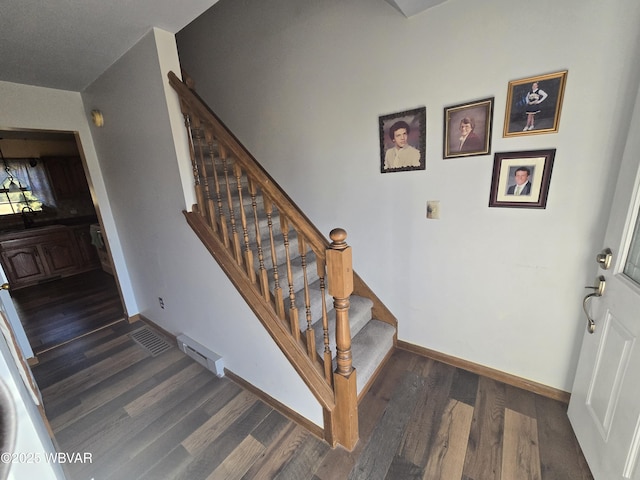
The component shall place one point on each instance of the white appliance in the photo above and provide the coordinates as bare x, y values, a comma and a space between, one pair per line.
97, 240
29, 445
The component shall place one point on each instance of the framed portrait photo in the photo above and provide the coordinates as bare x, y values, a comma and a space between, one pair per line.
521, 179
403, 140
534, 104
467, 129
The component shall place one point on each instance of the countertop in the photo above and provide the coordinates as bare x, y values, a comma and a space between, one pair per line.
46, 226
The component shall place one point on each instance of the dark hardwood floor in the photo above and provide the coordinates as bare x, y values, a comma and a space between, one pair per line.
166, 417
56, 312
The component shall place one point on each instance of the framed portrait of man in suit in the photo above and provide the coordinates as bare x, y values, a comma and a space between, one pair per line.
521, 179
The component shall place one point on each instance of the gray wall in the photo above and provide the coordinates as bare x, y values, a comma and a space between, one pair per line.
145, 164
302, 84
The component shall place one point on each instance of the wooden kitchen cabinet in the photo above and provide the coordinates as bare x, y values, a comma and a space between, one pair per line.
88, 254
60, 253
23, 265
37, 255
67, 177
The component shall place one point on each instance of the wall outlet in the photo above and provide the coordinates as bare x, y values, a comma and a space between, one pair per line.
161, 302
433, 209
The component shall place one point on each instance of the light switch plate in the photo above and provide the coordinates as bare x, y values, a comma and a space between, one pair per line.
433, 209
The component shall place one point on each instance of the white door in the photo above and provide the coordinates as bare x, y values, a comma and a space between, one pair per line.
605, 400
31, 430
7, 306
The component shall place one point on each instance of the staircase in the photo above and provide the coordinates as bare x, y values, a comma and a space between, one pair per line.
325, 319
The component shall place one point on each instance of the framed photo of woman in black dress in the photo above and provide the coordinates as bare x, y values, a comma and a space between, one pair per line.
534, 104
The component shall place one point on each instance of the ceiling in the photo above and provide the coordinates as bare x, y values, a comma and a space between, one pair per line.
67, 44
410, 8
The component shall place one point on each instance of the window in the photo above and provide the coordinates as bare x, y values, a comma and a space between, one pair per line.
25, 187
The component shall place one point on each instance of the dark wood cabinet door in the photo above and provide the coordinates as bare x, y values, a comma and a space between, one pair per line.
60, 254
23, 265
87, 251
67, 177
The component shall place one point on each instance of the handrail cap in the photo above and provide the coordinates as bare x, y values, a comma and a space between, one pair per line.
338, 237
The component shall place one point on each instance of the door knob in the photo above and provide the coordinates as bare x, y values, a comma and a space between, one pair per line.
598, 292
604, 258
598, 288
4, 286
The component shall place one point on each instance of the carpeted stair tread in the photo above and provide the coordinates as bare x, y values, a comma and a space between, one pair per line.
359, 315
369, 348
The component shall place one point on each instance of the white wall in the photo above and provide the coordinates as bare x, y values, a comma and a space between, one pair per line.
302, 84
144, 172
27, 107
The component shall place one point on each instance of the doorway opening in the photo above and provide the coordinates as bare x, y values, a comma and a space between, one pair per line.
61, 278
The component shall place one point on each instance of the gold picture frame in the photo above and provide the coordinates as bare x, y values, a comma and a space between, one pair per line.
534, 104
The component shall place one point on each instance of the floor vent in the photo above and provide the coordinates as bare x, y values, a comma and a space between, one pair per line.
150, 340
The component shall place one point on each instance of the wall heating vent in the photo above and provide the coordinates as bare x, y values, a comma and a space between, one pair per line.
202, 355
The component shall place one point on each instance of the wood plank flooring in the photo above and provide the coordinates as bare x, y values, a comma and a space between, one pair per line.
166, 417
56, 312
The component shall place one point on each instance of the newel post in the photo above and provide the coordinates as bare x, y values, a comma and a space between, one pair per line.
340, 276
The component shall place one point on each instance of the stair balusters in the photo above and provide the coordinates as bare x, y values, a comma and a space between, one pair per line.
293, 309
205, 193
311, 339
192, 154
277, 289
213, 206
248, 252
262, 270
327, 356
